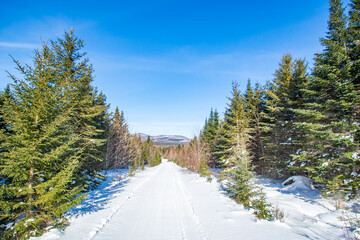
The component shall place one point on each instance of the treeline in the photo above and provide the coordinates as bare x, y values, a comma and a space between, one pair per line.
125, 149
303, 122
56, 136
193, 156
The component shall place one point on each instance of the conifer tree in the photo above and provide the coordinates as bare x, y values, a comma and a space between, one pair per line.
278, 120
145, 152
75, 76
254, 108
102, 123
224, 141
353, 95
157, 159
136, 150
238, 170
330, 149
41, 160
279, 137
118, 153
209, 136
4, 95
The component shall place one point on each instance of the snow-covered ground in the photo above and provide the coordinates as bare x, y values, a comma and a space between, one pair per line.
168, 202
307, 212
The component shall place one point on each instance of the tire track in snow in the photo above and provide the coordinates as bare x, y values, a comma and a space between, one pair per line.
177, 206
195, 216
141, 213
98, 229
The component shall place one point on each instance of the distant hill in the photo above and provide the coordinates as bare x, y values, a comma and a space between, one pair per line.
165, 140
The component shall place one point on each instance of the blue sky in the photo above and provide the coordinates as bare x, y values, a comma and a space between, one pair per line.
166, 63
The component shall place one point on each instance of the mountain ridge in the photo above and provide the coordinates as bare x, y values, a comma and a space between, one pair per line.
165, 140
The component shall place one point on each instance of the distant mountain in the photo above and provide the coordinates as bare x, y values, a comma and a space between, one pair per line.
165, 140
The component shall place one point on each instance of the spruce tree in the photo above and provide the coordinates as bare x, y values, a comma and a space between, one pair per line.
330, 150
278, 120
209, 136
102, 123
4, 96
237, 162
145, 152
75, 76
224, 141
41, 160
157, 159
254, 108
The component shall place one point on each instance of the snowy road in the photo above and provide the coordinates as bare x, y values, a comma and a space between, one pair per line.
166, 202
158, 209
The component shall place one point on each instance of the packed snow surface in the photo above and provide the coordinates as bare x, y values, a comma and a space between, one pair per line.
168, 202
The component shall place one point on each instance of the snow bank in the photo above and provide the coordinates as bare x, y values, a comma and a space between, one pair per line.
298, 183
305, 210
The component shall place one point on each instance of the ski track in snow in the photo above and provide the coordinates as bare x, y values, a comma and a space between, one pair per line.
166, 202
94, 234
196, 218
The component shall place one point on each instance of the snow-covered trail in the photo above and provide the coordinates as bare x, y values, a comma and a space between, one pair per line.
167, 202
159, 209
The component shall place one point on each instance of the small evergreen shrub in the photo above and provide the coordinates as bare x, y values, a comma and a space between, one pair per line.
204, 170
261, 207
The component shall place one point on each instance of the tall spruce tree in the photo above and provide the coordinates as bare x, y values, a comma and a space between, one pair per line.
223, 143
40, 161
4, 96
278, 120
279, 137
330, 149
75, 76
237, 162
354, 93
254, 108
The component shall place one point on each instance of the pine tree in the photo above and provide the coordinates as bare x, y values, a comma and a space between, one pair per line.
41, 160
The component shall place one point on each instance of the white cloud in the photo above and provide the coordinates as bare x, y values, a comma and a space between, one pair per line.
19, 45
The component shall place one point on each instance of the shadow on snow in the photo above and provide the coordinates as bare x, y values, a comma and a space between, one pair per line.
97, 199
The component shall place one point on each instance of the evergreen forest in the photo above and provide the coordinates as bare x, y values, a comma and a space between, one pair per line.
305, 121
59, 138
